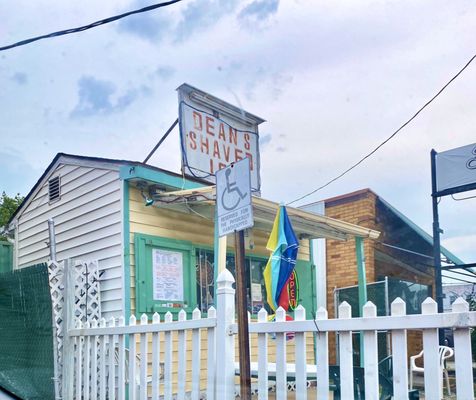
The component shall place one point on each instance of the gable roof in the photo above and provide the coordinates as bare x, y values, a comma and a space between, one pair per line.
64, 157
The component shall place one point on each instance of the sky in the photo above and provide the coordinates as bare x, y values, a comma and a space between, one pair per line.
332, 80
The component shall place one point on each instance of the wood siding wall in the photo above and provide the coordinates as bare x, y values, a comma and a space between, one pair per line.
88, 224
177, 225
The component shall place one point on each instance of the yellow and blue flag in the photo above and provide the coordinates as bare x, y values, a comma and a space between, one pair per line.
283, 245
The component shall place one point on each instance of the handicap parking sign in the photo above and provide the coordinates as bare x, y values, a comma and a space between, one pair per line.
234, 208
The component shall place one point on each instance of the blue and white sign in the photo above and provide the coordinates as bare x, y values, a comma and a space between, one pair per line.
456, 168
234, 208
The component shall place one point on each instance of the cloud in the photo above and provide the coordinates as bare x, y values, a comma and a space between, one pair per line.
97, 97
20, 77
165, 72
152, 26
264, 141
201, 15
16, 174
258, 11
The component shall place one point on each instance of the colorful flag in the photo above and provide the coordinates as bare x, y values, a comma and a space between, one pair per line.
284, 246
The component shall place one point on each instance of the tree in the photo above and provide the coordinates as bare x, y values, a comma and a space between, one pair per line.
8, 205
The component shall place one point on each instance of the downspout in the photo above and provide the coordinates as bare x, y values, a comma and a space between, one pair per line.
52, 245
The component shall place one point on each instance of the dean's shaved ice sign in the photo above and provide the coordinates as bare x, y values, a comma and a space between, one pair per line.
215, 134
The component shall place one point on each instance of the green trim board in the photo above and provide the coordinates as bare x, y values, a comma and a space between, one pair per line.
127, 172
126, 250
144, 244
145, 303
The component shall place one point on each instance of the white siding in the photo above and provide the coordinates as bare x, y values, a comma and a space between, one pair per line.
88, 224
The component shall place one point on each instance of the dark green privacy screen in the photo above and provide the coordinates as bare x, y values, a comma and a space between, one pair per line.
26, 337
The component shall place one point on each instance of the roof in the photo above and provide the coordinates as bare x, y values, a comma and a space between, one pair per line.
353, 196
110, 161
423, 234
305, 224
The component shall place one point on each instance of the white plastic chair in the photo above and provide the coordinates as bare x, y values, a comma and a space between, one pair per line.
445, 353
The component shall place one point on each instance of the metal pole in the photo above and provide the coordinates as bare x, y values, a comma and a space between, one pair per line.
52, 245
360, 256
52, 239
242, 313
436, 241
161, 141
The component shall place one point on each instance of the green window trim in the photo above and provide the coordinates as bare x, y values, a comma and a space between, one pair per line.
143, 266
143, 260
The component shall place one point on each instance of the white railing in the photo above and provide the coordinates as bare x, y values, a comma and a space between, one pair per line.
106, 368
108, 359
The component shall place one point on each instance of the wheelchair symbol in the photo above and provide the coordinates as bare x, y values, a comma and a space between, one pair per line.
471, 163
229, 200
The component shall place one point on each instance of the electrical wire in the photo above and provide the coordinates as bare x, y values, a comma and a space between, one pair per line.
89, 26
389, 138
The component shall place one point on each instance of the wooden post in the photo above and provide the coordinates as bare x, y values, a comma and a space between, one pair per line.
68, 341
431, 358
346, 355
463, 360
371, 355
399, 353
225, 341
242, 312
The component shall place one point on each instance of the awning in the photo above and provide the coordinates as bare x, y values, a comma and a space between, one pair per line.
305, 224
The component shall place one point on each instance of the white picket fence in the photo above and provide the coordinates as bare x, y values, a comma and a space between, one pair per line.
106, 360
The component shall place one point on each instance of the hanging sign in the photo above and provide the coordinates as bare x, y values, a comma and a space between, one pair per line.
234, 209
456, 170
214, 134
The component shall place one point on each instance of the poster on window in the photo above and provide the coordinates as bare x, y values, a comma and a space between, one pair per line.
167, 271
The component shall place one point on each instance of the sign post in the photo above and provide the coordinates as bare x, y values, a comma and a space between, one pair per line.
436, 244
452, 171
235, 213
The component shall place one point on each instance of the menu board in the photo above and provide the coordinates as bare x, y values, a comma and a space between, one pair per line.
167, 275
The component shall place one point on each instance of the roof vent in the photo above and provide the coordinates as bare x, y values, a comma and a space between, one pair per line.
54, 189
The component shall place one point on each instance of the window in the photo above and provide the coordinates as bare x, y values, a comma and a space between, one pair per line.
256, 292
175, 274
54, 189
163, 274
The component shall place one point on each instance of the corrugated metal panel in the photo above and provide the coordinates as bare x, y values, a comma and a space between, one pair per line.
88, 224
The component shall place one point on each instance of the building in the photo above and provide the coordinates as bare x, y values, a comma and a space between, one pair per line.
401, 259
129, 217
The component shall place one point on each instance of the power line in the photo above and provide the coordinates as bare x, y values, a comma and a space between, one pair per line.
89, 26
389, 138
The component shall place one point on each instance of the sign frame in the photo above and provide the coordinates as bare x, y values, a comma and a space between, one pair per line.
469, 161
217, 116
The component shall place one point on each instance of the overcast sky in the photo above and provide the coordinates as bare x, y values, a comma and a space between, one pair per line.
332, 80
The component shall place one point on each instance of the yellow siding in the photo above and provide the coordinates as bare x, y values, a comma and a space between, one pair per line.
290, 355
176, 225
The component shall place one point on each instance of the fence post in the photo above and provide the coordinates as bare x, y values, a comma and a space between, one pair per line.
463, 359
225, 341
68, 323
